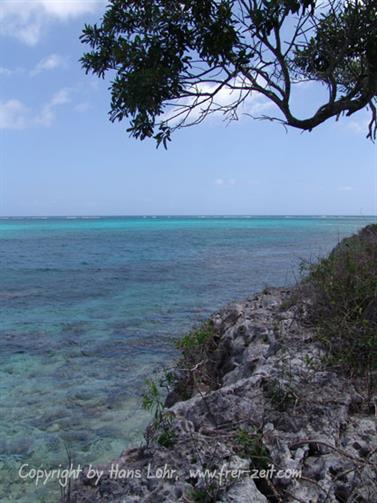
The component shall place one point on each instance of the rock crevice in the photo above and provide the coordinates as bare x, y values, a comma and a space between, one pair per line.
272, 407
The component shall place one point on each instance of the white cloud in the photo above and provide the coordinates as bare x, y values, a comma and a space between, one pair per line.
47, 115
254, 103
251, 103
83, 107
5, 71
45, 64
61, 97
25, 19
63, 9
14, 115
359, 126
344, 188
48, 63
222, 182
358, 123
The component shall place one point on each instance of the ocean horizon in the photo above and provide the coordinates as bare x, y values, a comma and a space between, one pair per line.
183, 215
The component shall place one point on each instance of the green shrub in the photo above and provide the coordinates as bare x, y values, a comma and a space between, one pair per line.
196, 338
198, 362
344, 302
250, 445
166, 437
282, 396
153, 401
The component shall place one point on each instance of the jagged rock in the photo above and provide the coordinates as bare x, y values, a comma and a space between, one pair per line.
274, 406
243, 492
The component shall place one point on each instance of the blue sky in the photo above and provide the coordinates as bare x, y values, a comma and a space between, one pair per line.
61, 156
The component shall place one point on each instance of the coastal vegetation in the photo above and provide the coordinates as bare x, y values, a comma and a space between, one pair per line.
343, 304
197, 366
154, 402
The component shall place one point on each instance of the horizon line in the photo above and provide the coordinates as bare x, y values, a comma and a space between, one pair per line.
185, 215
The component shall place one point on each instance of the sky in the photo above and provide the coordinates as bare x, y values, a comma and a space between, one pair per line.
60, 155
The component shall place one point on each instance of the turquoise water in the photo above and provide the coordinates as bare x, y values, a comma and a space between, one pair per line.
90, 308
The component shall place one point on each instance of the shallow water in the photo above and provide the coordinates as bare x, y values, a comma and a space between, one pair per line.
91, 307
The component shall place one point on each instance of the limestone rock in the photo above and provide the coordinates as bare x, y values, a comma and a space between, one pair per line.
275, 407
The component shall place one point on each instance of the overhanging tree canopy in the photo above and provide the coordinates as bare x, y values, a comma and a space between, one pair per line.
173, 60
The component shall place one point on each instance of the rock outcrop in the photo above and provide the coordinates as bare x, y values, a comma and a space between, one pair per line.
276, 426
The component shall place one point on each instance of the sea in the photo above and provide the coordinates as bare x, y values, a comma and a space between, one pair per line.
91, 308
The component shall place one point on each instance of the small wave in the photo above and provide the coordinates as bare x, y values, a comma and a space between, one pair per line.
14, 294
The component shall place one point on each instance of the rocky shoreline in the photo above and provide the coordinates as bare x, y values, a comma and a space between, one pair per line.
272, 407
